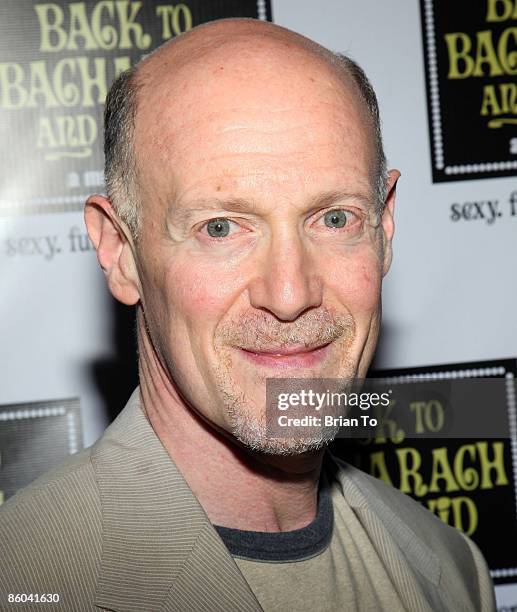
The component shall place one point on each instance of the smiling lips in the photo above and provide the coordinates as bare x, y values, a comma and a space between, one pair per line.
287, 357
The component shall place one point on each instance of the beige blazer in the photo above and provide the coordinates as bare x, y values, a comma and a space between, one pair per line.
117, 528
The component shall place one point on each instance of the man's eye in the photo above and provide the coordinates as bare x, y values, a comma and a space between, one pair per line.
218, 228
335, 218
340, 218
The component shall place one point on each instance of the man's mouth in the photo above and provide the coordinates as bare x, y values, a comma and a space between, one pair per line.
295, 356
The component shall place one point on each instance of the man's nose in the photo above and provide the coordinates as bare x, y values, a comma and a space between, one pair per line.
287, 282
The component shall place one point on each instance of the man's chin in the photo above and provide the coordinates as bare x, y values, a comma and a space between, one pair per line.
283, 448
254, 438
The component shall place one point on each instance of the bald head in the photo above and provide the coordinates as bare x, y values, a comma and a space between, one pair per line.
252, 64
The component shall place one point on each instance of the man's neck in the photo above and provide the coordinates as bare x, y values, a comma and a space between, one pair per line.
236, 487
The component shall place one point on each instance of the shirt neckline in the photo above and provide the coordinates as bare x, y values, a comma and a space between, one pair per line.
285, 546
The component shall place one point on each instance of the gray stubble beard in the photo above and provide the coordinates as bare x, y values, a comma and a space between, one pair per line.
249, 426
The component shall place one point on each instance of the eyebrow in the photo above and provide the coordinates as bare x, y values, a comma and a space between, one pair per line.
324, 200
330, 198
183, 215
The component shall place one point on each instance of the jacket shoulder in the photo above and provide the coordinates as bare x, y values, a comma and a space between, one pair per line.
456, 558
390, 502
51, 534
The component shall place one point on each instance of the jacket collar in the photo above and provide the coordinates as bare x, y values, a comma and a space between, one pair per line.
159, 550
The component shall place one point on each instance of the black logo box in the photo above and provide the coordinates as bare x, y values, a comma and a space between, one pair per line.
34, 184
466, 144
497, 507
34, 438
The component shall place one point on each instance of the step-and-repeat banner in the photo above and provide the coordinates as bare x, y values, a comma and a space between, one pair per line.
445, 74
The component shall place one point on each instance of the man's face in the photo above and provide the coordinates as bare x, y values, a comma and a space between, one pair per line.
257, 257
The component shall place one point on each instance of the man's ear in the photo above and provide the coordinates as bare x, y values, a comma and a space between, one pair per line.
388, 224
114, 250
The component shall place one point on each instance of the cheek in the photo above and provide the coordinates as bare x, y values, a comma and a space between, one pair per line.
200, 293
356, 281
186, 299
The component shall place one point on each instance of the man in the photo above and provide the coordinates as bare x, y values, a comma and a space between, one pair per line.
250, 218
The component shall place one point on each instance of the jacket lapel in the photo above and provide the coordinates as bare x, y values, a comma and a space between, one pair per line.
414, 568
159, 550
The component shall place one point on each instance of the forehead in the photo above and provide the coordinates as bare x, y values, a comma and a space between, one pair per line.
249, 112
